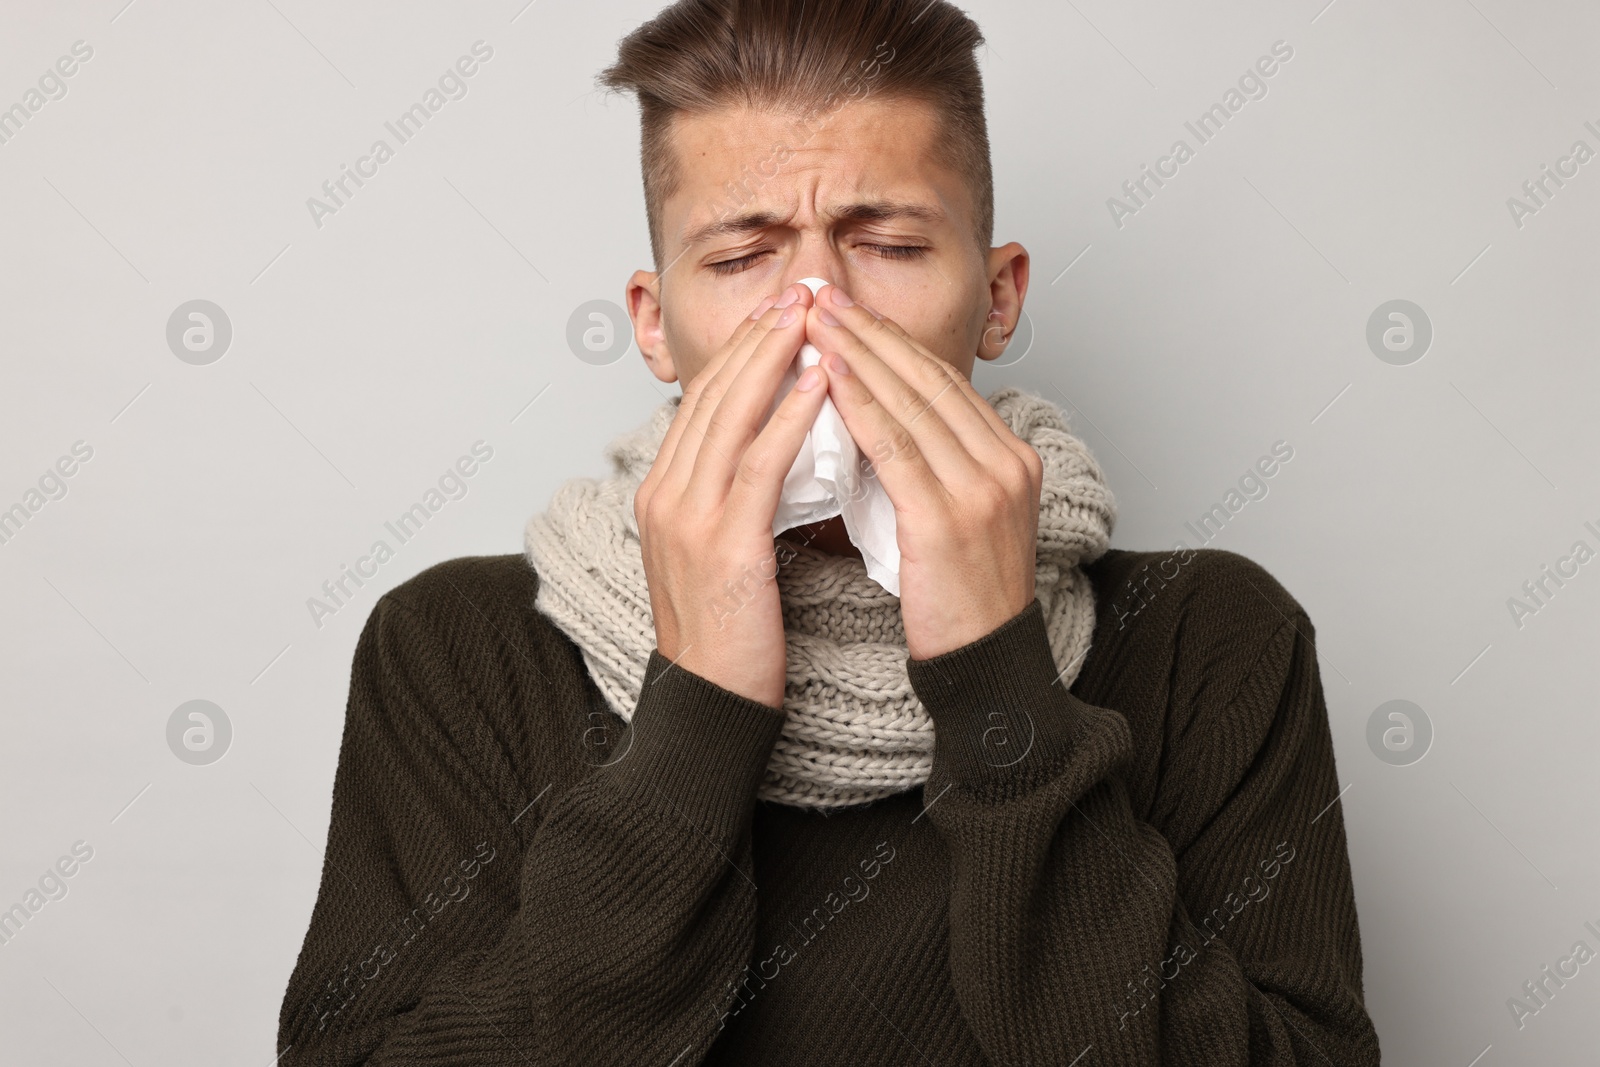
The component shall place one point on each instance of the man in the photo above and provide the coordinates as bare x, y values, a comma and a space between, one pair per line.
1054, 803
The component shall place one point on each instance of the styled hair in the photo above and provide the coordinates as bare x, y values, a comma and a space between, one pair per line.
807, 57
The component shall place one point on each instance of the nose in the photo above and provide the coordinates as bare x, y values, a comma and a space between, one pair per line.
815, 263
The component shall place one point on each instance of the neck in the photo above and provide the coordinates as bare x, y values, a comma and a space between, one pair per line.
828, 536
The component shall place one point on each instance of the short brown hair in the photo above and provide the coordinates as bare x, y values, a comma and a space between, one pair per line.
698, 56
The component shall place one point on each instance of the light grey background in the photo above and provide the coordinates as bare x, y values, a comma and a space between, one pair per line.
430, 312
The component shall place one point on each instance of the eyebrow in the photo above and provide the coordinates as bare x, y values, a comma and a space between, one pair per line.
865, 211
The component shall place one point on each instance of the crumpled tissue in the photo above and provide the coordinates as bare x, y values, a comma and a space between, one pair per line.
830, 477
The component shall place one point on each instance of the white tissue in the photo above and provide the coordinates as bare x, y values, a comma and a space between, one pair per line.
829, 478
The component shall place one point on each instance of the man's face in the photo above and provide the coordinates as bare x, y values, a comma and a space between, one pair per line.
921, 268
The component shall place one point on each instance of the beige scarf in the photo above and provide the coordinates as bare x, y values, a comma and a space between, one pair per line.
854, 731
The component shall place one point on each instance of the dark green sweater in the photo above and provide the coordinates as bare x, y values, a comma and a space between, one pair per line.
1149, 868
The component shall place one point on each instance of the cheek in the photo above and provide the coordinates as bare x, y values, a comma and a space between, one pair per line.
947, 333
691, 338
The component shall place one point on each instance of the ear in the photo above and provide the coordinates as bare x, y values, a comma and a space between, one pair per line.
1008, 285
643, 299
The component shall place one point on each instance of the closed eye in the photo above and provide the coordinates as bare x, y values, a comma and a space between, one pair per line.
744, 263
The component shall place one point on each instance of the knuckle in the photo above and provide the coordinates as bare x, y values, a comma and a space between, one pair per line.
902, 445
710, 392
752, 470
911, 406
1017, 477
881, 328
862, 395
1033, 462
651, 514
933, 372
718, 425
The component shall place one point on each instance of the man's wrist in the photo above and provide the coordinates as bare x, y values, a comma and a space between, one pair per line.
998, 715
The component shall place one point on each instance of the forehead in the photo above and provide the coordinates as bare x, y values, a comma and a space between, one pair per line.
737, 159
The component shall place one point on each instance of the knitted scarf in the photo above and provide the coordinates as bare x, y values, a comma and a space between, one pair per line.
854, 731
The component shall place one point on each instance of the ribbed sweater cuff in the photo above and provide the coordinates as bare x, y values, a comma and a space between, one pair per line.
697, 748
1000, 718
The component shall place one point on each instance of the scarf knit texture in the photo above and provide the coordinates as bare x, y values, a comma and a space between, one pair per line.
854, 730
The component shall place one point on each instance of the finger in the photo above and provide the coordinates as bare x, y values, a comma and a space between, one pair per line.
1002, 430
707, 390
706, 454
920, 389
915, 417
757, 485
746, 334
970, 391
686, 404
745, 405
895, 453
692, 390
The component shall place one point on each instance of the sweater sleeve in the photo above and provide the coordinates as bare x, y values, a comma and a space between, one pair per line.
463, 917
1226, 936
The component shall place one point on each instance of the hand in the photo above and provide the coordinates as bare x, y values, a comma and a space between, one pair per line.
706, 507
965, 489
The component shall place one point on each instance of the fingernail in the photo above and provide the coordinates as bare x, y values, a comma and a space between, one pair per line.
836, 363
842, 298
808, 380
822, 313
761, 308
789, 296
787, 317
